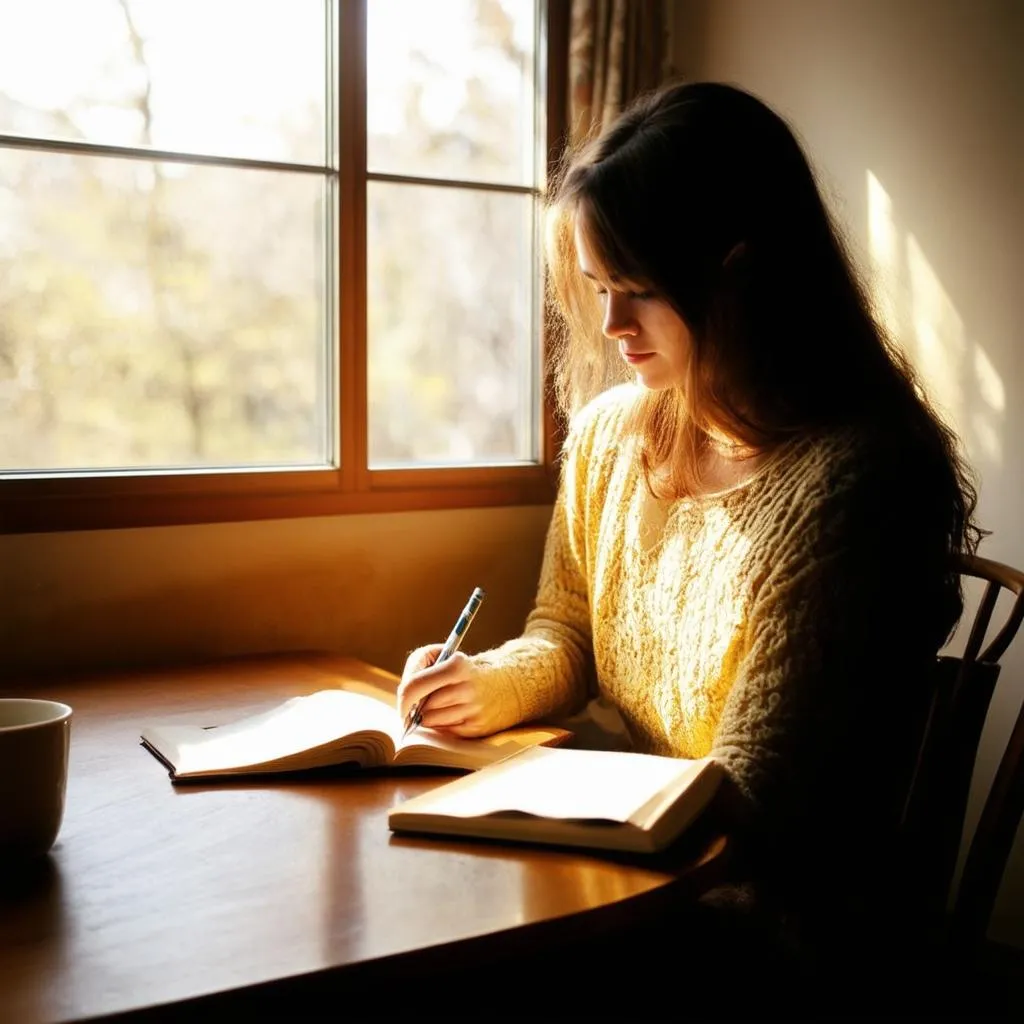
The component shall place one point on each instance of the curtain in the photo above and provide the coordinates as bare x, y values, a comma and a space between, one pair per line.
616, 51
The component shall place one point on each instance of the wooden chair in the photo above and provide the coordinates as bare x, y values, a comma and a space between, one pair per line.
935, 809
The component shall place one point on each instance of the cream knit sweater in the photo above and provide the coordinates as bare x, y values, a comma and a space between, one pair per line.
781, 626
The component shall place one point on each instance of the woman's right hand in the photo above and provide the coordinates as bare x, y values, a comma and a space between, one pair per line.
451, 693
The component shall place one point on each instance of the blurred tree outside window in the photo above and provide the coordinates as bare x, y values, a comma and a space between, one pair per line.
169, 201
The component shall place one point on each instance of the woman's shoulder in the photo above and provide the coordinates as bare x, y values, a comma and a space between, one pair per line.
879, 454
864, 467
813, 465
616, 400
600, 422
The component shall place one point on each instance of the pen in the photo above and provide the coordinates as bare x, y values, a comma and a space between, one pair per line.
451, 645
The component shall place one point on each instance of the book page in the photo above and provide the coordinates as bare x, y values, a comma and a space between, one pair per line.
297, 725
431, 747
553, 783
426, 746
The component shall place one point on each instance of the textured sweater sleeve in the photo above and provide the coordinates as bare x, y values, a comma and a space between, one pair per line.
820, 724
546, 671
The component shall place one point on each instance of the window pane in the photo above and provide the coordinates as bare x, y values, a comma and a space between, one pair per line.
159, 314
450, 89
451, 350
221, 77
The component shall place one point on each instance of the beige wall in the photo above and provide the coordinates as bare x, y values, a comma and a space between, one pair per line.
371, 586
912, 112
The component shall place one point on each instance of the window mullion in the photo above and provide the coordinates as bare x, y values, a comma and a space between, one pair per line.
351, 284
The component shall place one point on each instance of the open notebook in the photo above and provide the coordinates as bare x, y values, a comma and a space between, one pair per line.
329, 727
609, 799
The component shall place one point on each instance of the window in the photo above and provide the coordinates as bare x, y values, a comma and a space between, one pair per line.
267, 258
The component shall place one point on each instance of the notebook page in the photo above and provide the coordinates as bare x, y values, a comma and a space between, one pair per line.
476, 751
553, 783
296, 725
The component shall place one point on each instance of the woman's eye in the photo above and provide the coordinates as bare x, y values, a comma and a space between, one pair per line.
634, 296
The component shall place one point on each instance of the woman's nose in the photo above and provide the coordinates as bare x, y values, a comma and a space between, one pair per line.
619, 321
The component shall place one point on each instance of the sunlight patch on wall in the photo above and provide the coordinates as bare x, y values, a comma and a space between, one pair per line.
993, 394
937, 344
920, 315
883, 243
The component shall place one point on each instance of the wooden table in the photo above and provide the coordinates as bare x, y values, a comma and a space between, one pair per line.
163, 902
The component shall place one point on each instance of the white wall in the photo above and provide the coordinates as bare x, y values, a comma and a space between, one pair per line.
912, 112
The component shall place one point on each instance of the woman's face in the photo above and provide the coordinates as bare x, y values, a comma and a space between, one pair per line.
652, 338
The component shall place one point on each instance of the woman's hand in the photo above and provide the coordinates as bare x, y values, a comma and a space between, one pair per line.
451, 693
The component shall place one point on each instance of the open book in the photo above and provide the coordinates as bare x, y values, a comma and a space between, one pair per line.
329, 727
608, 799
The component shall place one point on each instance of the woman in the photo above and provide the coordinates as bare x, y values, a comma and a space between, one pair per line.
750, 553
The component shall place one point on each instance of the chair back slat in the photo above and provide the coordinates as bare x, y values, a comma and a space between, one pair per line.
935, 811
990, 848
1002, 639
982, 619
1008, 578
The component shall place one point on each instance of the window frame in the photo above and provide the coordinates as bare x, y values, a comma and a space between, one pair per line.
32, 503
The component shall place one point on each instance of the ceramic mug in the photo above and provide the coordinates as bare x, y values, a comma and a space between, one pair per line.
35, 738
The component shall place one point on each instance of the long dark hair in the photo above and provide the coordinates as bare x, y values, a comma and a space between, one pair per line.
702, 193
